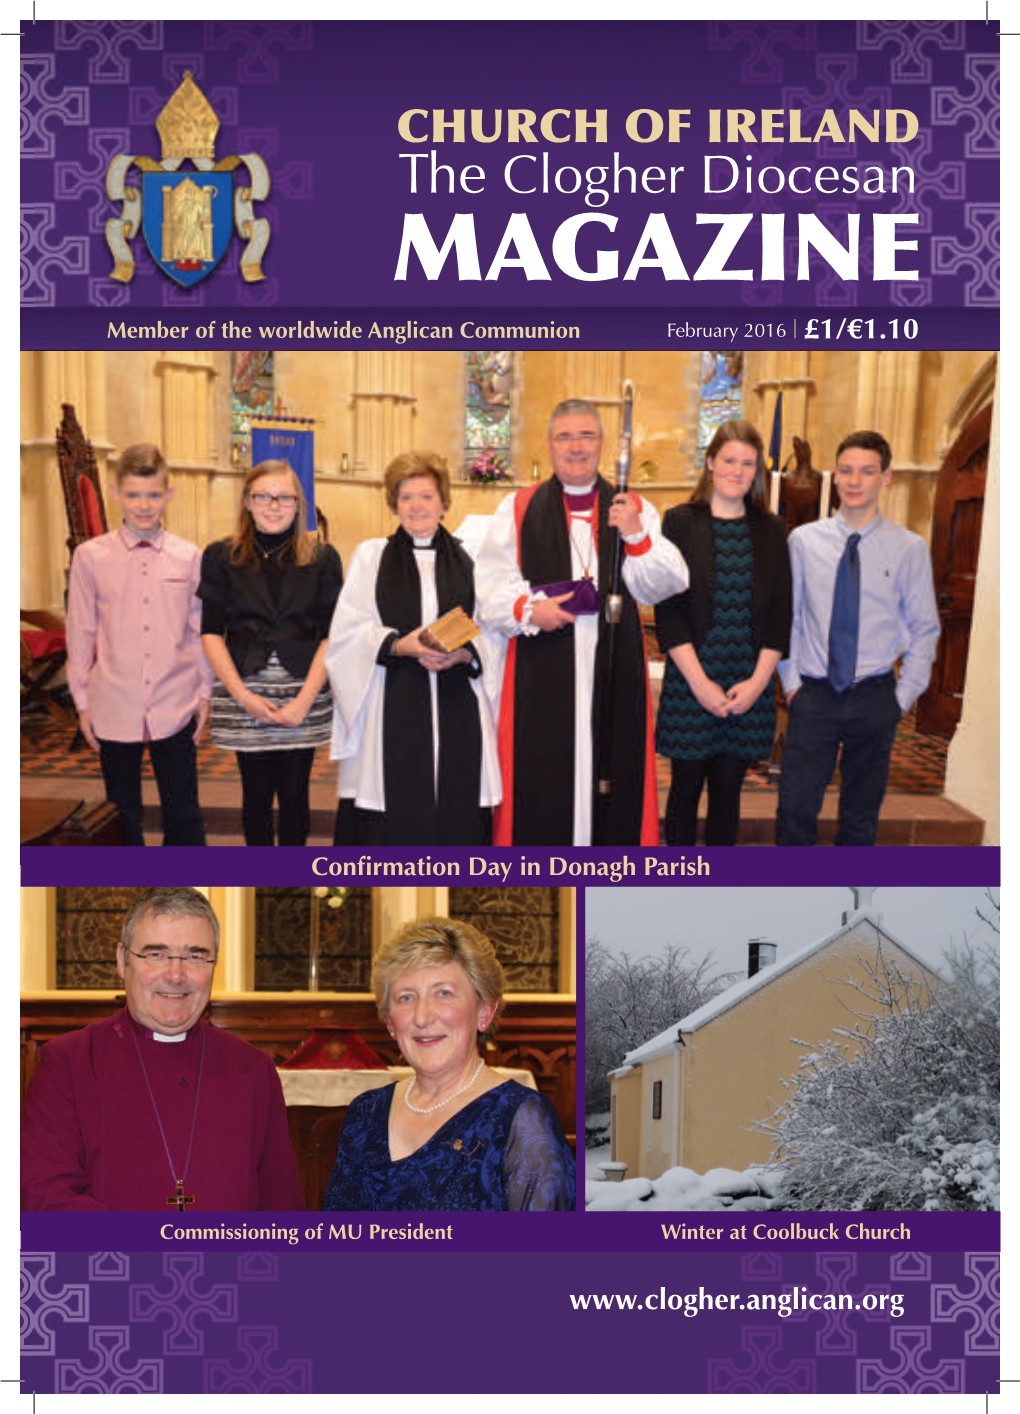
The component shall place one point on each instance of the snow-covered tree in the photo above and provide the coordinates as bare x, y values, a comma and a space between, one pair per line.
900, 1110
627, 1000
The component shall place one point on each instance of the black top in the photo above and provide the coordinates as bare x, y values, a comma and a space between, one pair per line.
503, 1152
262, 607
685, 618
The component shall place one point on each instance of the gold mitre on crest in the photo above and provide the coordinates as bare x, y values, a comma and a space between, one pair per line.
188, 125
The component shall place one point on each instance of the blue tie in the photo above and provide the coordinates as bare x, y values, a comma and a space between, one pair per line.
846, 617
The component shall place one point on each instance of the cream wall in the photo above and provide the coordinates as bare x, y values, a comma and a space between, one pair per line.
626, 1111
918, 400
369, 406
658, 1148
731, 1070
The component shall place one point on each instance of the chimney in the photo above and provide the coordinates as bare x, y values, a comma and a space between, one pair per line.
864, 906
761, 953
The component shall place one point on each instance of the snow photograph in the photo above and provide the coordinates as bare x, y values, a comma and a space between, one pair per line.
809, 1049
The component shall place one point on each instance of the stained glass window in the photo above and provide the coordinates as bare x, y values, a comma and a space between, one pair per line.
89, 923
301, 939
722, 393
523, 926
251, 393
487, 416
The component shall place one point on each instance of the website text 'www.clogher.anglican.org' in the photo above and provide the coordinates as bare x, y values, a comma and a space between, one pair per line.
783, 1303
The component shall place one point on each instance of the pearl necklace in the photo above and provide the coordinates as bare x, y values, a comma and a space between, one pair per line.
432, 1108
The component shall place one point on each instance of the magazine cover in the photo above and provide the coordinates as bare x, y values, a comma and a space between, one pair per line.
494, 491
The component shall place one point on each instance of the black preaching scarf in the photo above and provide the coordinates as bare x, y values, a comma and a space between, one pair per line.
543, 784
415, 812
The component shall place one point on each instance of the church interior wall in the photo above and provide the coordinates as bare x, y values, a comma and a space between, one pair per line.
392, 907
439, 404
828, 416
972, 766
370, 406
132, 396
539, 379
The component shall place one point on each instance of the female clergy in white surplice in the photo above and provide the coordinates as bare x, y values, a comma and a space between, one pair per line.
414, 728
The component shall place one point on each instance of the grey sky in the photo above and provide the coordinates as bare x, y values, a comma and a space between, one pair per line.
643, 922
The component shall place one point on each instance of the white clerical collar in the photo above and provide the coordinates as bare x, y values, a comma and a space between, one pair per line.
158, 1036
579, 490
423, 544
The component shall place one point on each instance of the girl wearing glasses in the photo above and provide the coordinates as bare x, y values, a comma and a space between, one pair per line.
268, 593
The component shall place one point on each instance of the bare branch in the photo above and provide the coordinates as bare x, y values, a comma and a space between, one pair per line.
901, 1110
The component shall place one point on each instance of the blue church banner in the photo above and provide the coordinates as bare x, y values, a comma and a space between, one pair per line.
289, 439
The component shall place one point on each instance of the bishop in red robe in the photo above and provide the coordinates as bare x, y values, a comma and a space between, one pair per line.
540, 578
153, 1108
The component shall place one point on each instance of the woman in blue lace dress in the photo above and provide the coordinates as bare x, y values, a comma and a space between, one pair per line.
722, 637
457, 1136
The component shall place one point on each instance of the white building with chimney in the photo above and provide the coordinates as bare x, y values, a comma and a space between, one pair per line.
690, 1096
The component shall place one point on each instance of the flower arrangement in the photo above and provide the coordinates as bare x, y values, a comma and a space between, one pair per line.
486, 467
335, 897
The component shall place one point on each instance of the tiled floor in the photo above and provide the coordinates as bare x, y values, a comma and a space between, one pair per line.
918, 764
914, 811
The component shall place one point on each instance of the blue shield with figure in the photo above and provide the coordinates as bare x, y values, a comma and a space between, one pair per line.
187, 221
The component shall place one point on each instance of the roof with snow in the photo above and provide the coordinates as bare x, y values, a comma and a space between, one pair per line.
664, 1042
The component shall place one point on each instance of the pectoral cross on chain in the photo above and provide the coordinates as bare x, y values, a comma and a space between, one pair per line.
179, 1197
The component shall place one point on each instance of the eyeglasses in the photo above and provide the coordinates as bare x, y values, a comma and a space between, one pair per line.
586, 439
263, 500
160, 957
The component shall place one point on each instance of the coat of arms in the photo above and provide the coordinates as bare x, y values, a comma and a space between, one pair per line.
186, 216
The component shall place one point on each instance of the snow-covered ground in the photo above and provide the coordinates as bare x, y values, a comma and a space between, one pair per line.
676, 1191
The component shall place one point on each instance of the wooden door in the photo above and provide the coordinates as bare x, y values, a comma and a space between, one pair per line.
955, 545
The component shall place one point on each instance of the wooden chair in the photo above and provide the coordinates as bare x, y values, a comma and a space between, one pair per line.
83, 493
79, 477
43, 654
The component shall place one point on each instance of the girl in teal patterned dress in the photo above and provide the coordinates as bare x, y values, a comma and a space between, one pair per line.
723, 637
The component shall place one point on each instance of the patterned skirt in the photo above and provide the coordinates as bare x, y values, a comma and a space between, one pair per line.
233, 729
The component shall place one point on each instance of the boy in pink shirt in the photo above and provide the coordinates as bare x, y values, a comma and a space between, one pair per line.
135, 663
